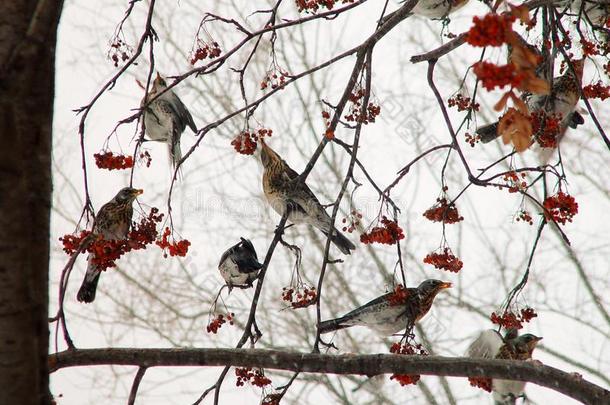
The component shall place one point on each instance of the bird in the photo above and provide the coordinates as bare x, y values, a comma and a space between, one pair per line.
112, 222
166, 118
491, 345
239, 264
561, 101
391, 312
437, 9
284, 191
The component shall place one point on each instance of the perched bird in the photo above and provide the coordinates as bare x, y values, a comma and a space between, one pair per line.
561, 101
166, 118
285, 192
437, 9
391, 312
239, 265
490, 345
112, 222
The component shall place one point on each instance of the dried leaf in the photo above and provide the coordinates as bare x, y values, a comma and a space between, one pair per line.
500, 105
516, 127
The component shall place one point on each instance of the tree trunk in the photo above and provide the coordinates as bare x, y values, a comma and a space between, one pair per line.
27, 71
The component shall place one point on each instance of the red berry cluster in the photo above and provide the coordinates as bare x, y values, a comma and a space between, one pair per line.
525, 216
145, 156
245, 374
313, 6
511, 320
72, 243
491, 30
301, 299
329, 133
399, 296
355, 113
119, 51
204, 50
389, 233
560, 207
597, 90
218, 321
462, 103
492, 76
106, 252
444, 212
407, 349
514, 183
546, 128
275, 78
110, 161
472, 139
174, 248
352, 220
480, 382
444, 261
590, 48
246, 142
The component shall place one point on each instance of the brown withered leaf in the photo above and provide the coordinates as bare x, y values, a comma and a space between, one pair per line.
534, 84
516, 127
522, 54
522, 13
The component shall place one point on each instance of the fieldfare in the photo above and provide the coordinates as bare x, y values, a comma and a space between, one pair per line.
112, 222
491, 345
284, 191
166, 118
561, 102
437, 9
392, 312
239, 265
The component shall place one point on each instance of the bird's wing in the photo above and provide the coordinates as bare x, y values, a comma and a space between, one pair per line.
247, 244
182, 112
486, 345
377, 302
229, 251
304, 200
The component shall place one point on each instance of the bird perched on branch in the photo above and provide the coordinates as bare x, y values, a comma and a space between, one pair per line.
284, 191
437, 9
239, 264
166, 118
560, 102
112, 222
491, 345
392, 312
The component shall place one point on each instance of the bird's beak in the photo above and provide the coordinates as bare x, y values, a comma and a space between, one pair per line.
445, 285
138, 191
158, 76
538, 339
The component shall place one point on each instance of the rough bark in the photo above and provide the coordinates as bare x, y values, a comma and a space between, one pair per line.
27, 58
372, 364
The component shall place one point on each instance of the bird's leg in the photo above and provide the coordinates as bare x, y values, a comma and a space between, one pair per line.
328, 345
280, 231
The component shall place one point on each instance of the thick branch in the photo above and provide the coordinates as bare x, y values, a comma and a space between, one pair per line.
369, 364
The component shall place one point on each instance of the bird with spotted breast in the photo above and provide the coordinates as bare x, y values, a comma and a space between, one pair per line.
166, 118
239, 265
112, 222
285, 192
437, 9
491, 345
561, 102
391, 312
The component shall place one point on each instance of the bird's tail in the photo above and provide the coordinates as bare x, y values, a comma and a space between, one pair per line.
175, 154
341, 242
87, 290
332, 325
488, 132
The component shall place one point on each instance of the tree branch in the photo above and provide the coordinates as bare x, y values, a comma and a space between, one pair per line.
366, 364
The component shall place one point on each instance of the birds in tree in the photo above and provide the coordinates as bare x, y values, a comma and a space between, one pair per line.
391, 312
239, 264
166, 118
491, 345
560, 102
286, 193
112, 222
